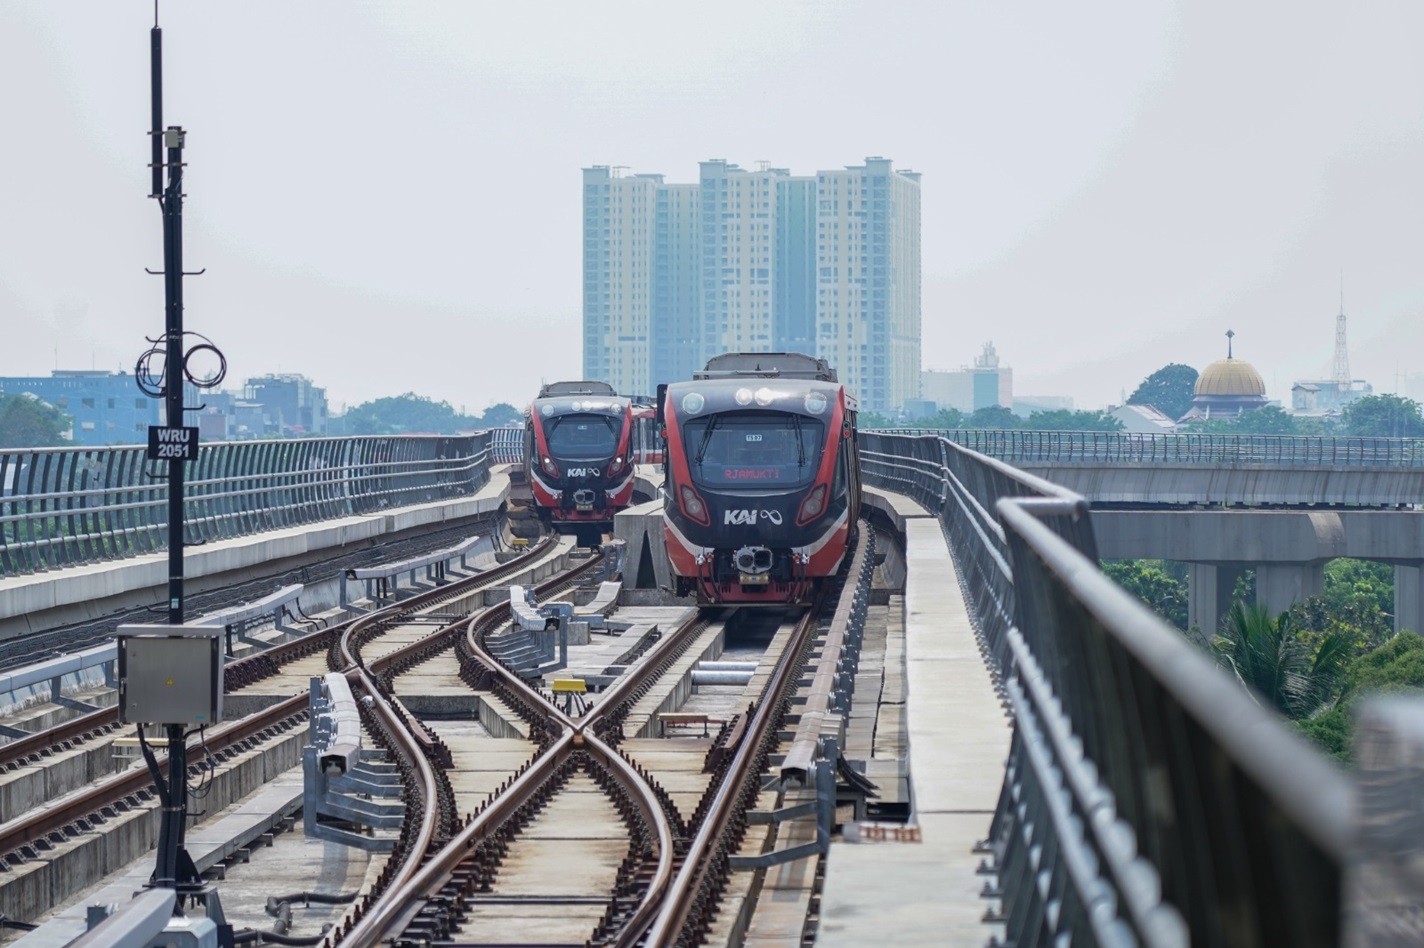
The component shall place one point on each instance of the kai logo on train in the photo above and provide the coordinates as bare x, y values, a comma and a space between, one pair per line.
582, 472
745, 518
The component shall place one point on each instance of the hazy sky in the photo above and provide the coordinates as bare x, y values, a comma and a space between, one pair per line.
387, 195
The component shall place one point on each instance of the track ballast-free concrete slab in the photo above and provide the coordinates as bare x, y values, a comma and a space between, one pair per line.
928, 892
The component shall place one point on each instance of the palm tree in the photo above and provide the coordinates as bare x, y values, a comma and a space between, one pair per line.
1268, 657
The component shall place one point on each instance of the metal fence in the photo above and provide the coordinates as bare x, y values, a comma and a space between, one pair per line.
506, 445
1121, 447
66, 506
1147, 798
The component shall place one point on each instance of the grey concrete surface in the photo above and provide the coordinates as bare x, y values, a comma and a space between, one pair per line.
641, 528
927, 892
1123, 483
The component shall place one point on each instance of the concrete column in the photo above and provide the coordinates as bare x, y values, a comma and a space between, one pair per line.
1209, 590
1280, 585
1201, 597
1409, 598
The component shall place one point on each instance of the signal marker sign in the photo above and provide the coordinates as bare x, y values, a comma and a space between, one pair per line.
172, 444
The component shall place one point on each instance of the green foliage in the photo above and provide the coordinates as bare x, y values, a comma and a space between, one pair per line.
946, 419
872, 420
1382, 416
1267, 655
1169, 390
1397, 665
1358, 601
1151, 582
1266, 420
406, 414
1064, 420
993, 416
27, 422
1330, 731
499, 415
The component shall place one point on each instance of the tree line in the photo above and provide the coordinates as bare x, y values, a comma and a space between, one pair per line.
1170, 390
416, 414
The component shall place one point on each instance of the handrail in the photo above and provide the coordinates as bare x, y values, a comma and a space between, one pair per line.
1147, 798
1020, 446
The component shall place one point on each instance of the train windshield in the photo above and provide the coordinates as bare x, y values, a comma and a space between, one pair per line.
755, 449
583, 437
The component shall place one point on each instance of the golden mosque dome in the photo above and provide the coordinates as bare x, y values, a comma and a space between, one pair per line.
1230, 376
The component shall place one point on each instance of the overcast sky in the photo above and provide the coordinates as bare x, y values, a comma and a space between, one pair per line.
386, 196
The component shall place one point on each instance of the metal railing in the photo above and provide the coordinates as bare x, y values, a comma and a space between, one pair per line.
1122, 447
1147, 798
66, 506
506, 445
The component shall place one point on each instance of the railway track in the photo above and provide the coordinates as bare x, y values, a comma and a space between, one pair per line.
639, 871
279, 660
31, 835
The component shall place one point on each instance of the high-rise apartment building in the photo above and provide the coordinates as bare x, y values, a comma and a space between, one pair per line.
749, 260
868, 282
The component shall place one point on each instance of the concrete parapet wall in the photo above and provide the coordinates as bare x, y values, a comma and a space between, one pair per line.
1138, 483
34, 887
1260, 536
36, 603
641, 528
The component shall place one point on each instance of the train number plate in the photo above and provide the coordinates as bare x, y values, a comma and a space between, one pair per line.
755, 579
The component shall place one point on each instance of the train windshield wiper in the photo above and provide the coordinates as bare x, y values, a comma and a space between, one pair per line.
706, 440
800, 445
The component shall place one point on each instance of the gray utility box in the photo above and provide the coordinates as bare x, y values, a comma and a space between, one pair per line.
170, 674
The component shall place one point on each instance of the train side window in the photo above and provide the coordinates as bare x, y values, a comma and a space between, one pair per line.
838, 485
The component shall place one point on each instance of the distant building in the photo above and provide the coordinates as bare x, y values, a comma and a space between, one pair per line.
106, 407
1143, 419
1226, 388
984, 384
292, 406
754, 260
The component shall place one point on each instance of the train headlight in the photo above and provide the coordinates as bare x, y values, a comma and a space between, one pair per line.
816, 403
765, 396
693, 506
743, 396
812, 506
616, 466
692, 402
549, 466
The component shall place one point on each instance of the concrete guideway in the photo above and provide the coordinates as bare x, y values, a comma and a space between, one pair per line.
928, 893
1224, 483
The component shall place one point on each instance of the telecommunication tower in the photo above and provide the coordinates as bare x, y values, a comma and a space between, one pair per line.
1341, 373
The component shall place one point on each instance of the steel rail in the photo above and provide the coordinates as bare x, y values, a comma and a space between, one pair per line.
67, 732
415, 875
701, 856
39, 824
404, 901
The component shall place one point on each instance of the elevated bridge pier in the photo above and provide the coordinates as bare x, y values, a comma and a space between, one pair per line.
1211, 586
1288, 550
1409, 596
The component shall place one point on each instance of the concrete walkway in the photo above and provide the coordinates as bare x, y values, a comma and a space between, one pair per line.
927, 892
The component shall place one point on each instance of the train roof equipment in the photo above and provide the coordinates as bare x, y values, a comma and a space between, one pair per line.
786, 365
557, 389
